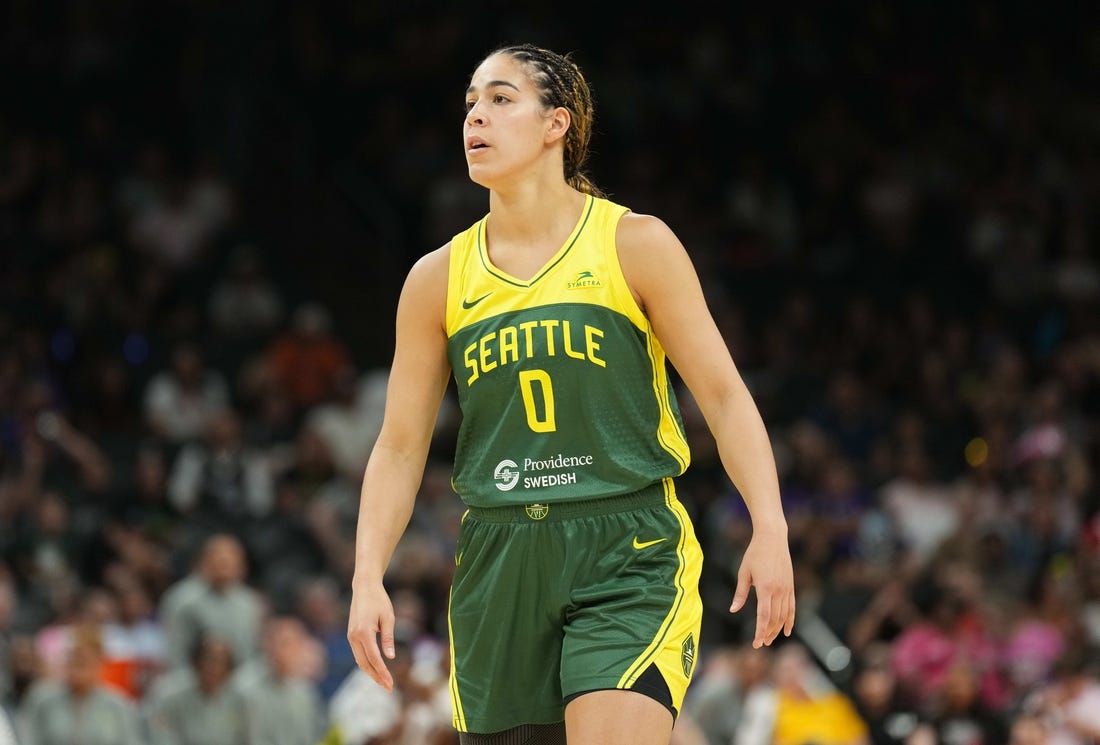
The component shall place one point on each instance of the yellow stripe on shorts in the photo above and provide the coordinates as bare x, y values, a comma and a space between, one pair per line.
457, 716
640, 664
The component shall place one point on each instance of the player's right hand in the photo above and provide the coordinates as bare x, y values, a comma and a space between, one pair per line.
370, 620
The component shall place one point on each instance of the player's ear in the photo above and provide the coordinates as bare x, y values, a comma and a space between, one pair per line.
557, 124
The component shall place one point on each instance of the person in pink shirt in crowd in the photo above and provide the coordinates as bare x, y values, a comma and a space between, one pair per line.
952, 633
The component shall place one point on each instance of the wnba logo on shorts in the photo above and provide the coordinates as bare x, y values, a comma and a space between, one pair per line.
687, 654
506, 474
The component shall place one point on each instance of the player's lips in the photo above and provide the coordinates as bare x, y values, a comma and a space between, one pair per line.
475, 144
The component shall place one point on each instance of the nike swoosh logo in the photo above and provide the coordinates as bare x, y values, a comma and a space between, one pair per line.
467, 304
647, 544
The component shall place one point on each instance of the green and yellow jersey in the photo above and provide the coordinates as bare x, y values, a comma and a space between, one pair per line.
563, 385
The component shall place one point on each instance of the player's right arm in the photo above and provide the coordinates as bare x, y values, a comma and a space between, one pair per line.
418, 379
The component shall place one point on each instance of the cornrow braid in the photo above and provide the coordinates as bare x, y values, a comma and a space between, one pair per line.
561, 83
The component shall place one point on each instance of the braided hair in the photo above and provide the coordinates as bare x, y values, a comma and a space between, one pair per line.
561, 83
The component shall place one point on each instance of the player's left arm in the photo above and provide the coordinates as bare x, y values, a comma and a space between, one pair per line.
665, 284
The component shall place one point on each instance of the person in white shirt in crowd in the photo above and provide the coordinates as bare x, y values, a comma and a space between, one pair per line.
416, 712
282, 704
349, 421
214, 599
1069, 706
180, 400
221, 476
197, 705
245, 304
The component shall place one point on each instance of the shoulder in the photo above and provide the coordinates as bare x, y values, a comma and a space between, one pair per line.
639, 228
432, 266
644, 240
650, 253
424, 295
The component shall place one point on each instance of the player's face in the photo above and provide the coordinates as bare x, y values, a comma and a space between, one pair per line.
506, 126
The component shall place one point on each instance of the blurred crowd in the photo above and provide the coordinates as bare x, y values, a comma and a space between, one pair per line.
206, 211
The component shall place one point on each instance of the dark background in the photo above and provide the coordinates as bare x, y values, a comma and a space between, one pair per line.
338, 127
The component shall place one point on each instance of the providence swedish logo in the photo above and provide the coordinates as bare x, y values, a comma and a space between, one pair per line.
506, 474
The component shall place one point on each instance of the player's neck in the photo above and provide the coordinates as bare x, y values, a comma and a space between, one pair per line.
532, 212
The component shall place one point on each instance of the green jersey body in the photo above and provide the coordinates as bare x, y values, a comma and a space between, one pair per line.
563, 386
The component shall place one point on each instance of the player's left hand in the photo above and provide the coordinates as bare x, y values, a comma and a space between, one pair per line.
767, 567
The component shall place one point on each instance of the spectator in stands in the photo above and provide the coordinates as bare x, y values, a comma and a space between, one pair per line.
416, 712
133, 643
718, 698
808, 708
181, 400
213, 599
325, 615
890, 721
221, 478
197, 705
961, 714
347, 422
307, 358
949, 631
142, 525
281, 699
54, 452
245, 305
176, 230
922, 510
1069, 706
79, 708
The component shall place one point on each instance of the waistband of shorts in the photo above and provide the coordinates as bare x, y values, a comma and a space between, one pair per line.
646, 497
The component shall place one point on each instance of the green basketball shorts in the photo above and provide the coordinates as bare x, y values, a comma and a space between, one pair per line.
552, 601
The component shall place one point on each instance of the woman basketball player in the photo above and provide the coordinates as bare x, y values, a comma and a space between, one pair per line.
575, 609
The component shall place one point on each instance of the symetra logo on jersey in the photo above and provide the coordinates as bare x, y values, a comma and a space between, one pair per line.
553, 471
584, 279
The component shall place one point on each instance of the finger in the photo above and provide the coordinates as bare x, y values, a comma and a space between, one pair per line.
387, 639
763, 619
741, 594
362, 658
779, 615
788, 627
376, 666
776, 616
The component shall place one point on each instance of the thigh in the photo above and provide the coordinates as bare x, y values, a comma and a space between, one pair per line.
635, 614
505, 627
615, 717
